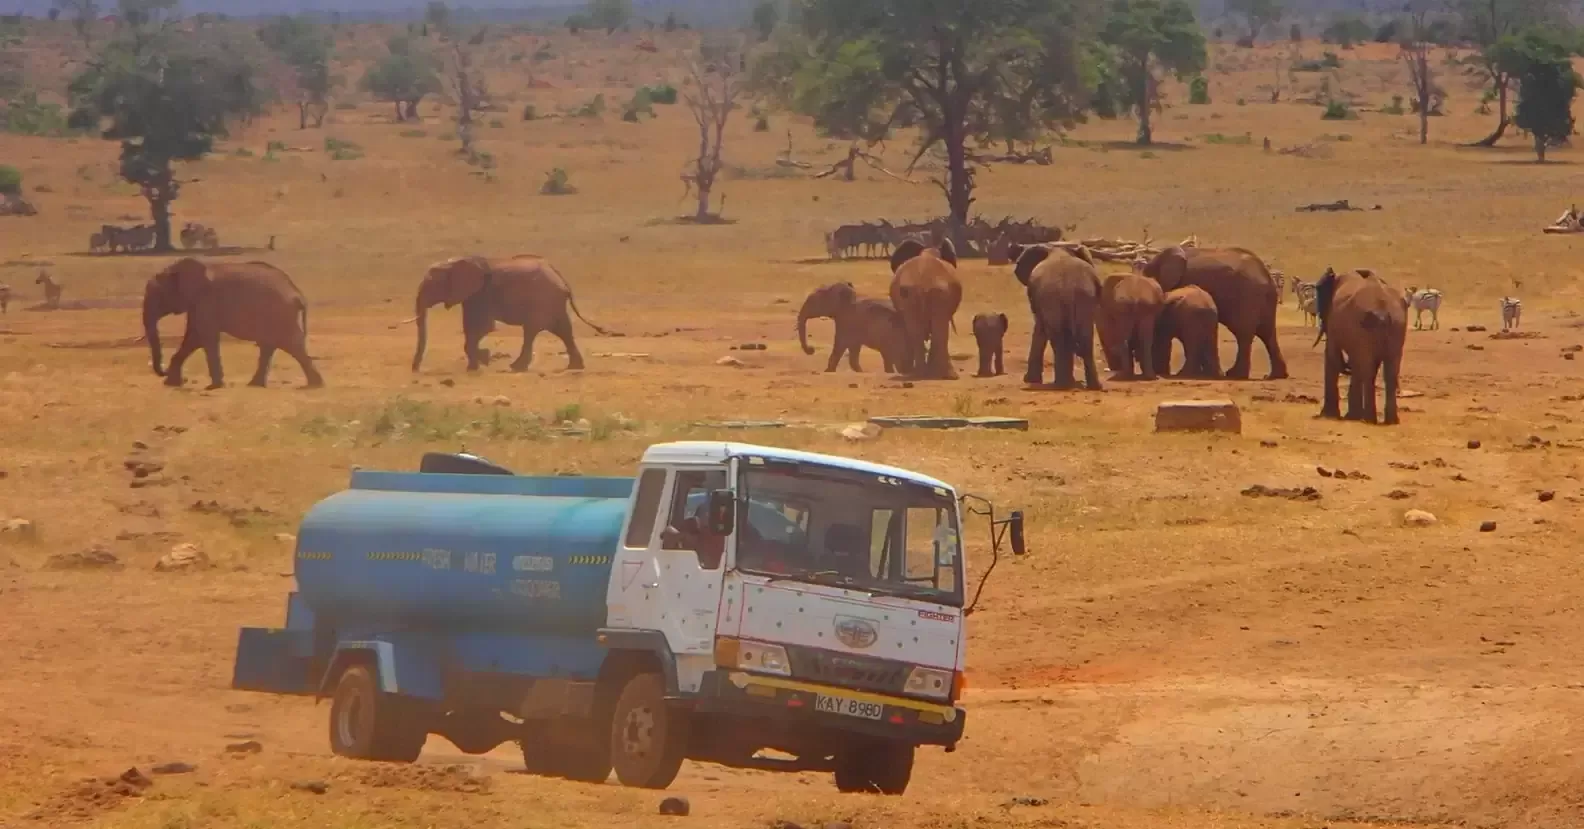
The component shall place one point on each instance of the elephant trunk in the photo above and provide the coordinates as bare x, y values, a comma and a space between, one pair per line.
802, 327
423, 334
151, 318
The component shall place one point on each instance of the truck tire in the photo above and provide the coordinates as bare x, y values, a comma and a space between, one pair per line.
366, 724
882, 766
648, 737
585, 760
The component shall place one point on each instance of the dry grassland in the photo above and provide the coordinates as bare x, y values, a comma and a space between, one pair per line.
1170, 654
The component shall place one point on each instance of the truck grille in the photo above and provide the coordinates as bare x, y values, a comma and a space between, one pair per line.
847, 670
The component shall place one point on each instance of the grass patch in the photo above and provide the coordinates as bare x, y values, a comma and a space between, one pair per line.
414, 133
340, 150
1218, 138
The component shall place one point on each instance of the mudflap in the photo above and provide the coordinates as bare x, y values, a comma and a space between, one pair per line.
274, 661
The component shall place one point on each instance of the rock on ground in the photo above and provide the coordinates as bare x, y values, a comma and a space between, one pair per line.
183, 557
860, 431
20, 528
97, 557
1418, 518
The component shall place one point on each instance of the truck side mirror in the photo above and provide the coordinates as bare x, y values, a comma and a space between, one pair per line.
721, 512
1015, 527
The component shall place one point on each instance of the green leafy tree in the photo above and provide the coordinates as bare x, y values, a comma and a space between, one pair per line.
765, 17
438, 15
610, 15
1257, 15
1540, 60
305, 47
1486, 23
12, 76
952, 66
1146, 35
165, 97
82, 13
403, 77
142, 15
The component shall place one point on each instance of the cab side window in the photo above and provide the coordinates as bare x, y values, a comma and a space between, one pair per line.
688, 498
651, 485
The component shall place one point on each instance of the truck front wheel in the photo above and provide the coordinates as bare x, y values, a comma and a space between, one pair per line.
648, 737
369, 725
881, 766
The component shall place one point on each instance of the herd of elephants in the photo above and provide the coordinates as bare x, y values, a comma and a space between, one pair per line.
1184, 293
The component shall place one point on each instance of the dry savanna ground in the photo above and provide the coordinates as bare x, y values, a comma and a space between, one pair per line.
1171, 653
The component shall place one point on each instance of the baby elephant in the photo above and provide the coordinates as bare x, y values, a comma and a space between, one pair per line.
1189, 314
990, 332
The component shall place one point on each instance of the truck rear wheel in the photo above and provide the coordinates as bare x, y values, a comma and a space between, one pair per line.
369, 725
882, 766
648, 738
585, 759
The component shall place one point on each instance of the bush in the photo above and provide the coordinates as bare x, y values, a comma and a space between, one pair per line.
1388, 31
530, 112
640, 105
1396, 107
1346, 31
10, 180
1338, 111
342, 150
1295, 34
1329, 60
557, 183
762, 124
593, 109
662, 93
1218, 138
1199, 90
26, 115
275, 147
413, 133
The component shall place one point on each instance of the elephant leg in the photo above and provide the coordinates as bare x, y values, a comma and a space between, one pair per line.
261, 375
1035, 373
1240, 365
1392, 366
1000, 360
854, 345
563, 332
1370, 411
1331, 407
1085, 350
1160, 353
940, 352
1355, 409
1144, 346
530, 333
299, 352
1267, 335
986, 359
211, 349
837, 348
173, 372
1062, 342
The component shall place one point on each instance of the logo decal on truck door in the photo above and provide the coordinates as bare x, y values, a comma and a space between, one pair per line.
855, 633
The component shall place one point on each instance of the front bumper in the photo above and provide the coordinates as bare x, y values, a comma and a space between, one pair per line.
789, 700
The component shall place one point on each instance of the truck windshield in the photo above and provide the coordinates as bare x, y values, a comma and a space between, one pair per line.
827, 525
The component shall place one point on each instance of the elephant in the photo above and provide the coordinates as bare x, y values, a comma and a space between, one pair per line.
1365, 321
990, 334
1064, 298
523, 290
925, 290
1129, 306
1189, 314
860, 321
253, 301
1244, 291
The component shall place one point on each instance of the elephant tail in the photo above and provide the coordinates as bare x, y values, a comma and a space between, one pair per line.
573, 302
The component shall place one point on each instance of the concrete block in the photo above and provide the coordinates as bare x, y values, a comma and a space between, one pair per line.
1198, 416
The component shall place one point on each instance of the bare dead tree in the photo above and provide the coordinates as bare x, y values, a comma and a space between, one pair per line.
1415, 51
715, 80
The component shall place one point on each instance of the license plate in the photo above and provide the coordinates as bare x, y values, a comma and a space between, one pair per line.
849, 707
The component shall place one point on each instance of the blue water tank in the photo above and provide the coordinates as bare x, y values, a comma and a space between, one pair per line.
530, 554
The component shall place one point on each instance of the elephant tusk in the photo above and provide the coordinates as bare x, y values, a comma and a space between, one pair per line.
408, 320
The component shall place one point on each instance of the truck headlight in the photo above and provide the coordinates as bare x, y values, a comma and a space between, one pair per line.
752, 656
929, 682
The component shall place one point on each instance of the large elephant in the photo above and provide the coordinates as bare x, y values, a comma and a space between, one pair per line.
252, 301
1064, 298
521, 290
926, 291
860, 321
989, 332
1188, 314
1129, 306
1244, 291
1365, 322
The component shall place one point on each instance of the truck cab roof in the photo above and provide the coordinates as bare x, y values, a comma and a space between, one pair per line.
710, 451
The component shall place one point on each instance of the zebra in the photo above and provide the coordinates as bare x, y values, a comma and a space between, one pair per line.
1512, 310
1422, 300
1281, 284
52, 290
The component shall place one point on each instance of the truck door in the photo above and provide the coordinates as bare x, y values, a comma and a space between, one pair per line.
673, 583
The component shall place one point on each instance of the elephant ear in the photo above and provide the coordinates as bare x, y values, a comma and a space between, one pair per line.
187, 278
1015, 250
465, 276
905, 251
1030, 257
1169, 268
1367, 273
948, 251
1080, 252
1002, 320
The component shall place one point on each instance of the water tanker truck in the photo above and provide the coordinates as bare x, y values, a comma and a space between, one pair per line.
728, 600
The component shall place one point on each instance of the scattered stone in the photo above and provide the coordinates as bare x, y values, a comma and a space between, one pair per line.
142, 467
311, 786
183, 557
1473, 347
1568, 356
1547, 495
18, 528
1403, 465
1027, 801
448, 382
907, 385
675, 807
174, 768
97, 557
1487, 526
246, 747
1324, 473
1418, 518
1473, 444
729, 361
1198, 416
500, 400
138, 444
1572, 349
1460, 478
750, 347
1398, 495
1475, 328
1300, 398
1268, 444
1307, 493
860, 431
173, 430
145, 483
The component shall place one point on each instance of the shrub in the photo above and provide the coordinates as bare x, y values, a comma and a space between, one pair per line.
1295, 34
1218, 138
342, 150
1346, 31
1329, 60
275, 147
557, 183
413, 133
242, 152
662, 93
762, 124
10, 180
530, 112
1338, 111
26, 115
1199, 90
593, 109
497, 124
640, 105
1396, 107
1388, 31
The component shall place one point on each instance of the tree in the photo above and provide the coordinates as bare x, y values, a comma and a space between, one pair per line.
765, 17
1144, 35
953, 66
1486, 23
1257, 14
83, 13
141, 15
1541, 61
305, 47
53, 14
438, 15
610, 15
165, 98
403, 77
1415, 52
715, 82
